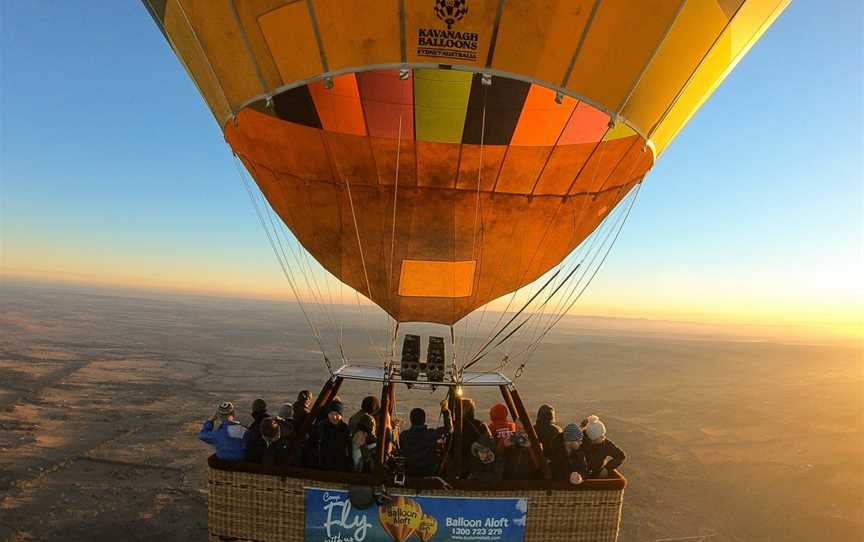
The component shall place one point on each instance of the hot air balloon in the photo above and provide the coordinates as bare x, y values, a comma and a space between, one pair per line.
427, 528
435, 156
400, 518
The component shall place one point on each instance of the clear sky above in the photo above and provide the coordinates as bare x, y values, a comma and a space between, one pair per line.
114, 171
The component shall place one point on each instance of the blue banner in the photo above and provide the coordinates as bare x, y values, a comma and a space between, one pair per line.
412, 518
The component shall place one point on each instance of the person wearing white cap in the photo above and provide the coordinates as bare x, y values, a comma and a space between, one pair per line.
601, 453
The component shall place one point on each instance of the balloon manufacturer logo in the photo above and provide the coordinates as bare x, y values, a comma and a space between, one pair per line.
451, 11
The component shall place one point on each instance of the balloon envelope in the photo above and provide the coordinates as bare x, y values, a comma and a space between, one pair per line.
372, 132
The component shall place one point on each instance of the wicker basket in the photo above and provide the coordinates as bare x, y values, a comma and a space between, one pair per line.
254, 503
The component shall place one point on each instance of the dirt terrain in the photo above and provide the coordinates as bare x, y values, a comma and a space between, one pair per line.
102, 393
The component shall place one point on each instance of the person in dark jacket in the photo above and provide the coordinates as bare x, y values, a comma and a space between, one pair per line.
423, 447
484, 464
516, 454
546, 429
567, 455
302, 406
333, 440
472, 431
271, 447
228, 438
259, 412
286, 419
369, 407
601, 453
363, 443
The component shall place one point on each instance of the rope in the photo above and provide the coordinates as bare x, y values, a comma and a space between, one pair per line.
282, 264
365, 273
533, 347
543, 240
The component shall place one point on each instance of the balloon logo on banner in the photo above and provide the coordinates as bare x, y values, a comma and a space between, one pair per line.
427, 528
400, 518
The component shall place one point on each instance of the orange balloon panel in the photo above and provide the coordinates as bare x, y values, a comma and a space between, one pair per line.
473, 220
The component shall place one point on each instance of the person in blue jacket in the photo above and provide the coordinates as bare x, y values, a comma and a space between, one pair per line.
228, 437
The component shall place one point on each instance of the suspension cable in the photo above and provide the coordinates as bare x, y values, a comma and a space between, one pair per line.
536, 343
315, 331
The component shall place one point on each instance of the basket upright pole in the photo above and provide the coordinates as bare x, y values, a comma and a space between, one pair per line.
536, 451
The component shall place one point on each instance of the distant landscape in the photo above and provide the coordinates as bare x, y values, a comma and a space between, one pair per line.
732, 435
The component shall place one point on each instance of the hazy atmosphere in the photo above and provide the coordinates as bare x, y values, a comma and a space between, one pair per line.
721, 338
728, 434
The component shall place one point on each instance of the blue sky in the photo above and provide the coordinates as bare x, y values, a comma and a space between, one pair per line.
114, 170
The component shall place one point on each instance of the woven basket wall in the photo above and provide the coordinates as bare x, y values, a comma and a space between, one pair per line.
246, 506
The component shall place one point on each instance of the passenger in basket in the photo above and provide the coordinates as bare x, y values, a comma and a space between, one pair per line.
601, 453
271, 446
259, 412
516, 453
286, 419
472, 430
302, 406
484, 464
369, 407
568, 456
228, 437
363, 444
546, 429
424, 447
333, 440
500, 426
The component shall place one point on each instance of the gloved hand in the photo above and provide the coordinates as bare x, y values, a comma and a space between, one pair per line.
575, 478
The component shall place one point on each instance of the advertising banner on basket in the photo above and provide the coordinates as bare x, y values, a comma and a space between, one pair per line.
413, 518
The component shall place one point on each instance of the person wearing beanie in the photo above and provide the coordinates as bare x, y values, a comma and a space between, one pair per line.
499, 425
568, 461
602, 455
333, 440
424, 447
228, 438
271, 447
546, 428
369, 406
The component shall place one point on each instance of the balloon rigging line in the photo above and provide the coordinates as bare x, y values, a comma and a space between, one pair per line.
525, 321
542, 241
549, 225
475, 357
393, 234
311, 285
580, 254
540, 322
474, 229
608, 227
591, 278
365, 273
575, 285
287, 275
534, 316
